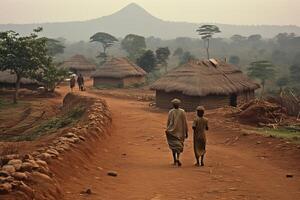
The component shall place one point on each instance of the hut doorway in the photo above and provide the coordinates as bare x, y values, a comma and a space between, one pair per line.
233, 100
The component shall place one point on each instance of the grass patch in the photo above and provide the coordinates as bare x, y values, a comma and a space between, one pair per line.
7, 103
49, 126
288, 133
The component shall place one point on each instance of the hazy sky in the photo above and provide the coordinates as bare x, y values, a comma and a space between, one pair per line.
275, 12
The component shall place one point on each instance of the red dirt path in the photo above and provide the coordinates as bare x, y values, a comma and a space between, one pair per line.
137, 150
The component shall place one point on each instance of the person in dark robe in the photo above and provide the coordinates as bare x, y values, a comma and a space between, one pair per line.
80, 82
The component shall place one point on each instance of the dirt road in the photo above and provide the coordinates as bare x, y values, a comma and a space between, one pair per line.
138, 152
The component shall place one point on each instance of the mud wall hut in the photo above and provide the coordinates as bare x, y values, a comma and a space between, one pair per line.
78, 64
211, 83
8, 80
119, 72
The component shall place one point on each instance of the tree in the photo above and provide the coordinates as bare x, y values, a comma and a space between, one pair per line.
238, 38
254, 38
133, 45
50, 77
262, 70
178, 52
147, 61
22, 55
207, 32
106, 40
186, 57
162, 55
235, 60
54, 46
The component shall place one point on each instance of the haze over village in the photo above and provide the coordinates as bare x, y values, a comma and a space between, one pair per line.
158, 100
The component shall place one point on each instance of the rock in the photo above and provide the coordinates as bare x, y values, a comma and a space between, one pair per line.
9, 168
6, 179
112, 173
5, 188
29, 166
258, 142
17, 163
44, 156
19, 176
41, 163
52, 152
28, 157
290, 175
82, 138
70, 135
4, 173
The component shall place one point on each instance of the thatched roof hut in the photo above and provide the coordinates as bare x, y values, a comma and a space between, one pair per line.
119, 72
213, 83
79, 65
8, 80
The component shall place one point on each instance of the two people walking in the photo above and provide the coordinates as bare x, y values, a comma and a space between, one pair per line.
177, 132
80, 82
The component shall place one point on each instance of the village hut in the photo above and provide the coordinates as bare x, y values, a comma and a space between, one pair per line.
8, 80
78, 64
119, 72
211, 83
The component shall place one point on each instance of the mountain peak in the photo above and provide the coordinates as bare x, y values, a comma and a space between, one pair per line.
134, 9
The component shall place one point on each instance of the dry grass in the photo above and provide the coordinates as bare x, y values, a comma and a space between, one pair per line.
78, 62
202, 78
119, 68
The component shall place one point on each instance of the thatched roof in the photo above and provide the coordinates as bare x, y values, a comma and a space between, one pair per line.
205, 77
78, 62
119, 68
9, 78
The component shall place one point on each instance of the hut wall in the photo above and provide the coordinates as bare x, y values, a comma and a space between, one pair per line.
128, 81
245, 97
111, 82
189, 103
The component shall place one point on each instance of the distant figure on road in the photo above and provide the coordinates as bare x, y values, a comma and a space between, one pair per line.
177, 130
200, 125
80, 82
72, 82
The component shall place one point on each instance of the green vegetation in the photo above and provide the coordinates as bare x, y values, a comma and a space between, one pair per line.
134, 45
262, 70
147, 61
106, 40
48, 127
290, 133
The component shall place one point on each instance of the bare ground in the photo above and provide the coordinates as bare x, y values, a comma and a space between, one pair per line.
239, 165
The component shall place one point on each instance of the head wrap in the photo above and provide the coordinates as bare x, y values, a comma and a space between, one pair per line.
176, 101
200, 108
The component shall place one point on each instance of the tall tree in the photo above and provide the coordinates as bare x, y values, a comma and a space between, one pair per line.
22, 55
262, 70
134, 46
147, 61
207, 32
106, 40
162, 55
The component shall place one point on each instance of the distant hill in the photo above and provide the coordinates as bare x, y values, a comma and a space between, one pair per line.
135, 19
